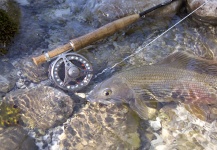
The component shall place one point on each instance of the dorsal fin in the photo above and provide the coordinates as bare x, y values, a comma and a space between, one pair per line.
184, 60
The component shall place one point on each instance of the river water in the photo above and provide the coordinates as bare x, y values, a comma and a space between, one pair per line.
46, 25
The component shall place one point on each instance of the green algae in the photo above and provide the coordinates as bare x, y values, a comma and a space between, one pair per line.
14, 12
9, 25
9, 115
3, 50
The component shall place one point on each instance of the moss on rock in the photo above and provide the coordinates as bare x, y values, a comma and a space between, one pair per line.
9, 115
9, 25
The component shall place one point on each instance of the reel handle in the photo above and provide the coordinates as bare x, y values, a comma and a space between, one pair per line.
89, 38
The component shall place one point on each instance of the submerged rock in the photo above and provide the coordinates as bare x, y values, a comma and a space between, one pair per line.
22, 2
16, 138
109, 10
3, 4
207, 14
8, 77
99, 126
31, 71
182, 130
41, 107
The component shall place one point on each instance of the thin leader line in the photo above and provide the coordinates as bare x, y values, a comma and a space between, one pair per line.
143, 47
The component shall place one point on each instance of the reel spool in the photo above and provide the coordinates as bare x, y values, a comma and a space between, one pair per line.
70, 71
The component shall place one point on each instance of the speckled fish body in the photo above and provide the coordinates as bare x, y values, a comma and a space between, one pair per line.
180, 77
170, 84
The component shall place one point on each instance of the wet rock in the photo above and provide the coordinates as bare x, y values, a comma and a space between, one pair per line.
187, 36
22, 2
181, 129
206, 43
42, 107
109, 10
98, 126
8, 76
50, 141
207, 14
16, 138
3, 4
21, 84
31, 71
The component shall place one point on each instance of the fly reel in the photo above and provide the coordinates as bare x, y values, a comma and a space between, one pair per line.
70, 71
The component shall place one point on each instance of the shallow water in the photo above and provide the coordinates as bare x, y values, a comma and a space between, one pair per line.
48, 24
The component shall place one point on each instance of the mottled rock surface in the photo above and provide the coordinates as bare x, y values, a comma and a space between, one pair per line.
181, 129
31, 71
22, 2
3, 4
49, 24
15, 138
109, 10
207, 14
41, 107
8, 76
187, 36
98, 127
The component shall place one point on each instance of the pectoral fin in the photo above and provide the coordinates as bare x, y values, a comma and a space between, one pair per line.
144, 104
142, 110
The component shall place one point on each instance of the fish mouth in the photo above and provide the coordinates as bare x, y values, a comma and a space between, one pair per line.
91, 98
102, 101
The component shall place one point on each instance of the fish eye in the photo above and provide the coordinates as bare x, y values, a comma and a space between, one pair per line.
107, 92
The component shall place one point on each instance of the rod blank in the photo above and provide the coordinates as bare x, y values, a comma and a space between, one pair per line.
96, 35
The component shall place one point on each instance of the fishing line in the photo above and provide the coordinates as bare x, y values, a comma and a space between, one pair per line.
143, 47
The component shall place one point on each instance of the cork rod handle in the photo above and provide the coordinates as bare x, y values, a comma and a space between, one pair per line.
103, 32
89, 38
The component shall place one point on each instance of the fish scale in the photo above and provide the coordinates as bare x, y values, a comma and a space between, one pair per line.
169, 80
181, 78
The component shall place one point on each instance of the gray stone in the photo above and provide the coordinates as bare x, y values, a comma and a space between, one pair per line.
23, 2
8, 76
108, 10
31, 71
42, 107
3, 4
60, 1
207, 14
16, 138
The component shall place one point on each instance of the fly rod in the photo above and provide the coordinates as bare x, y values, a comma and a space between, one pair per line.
102, 32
